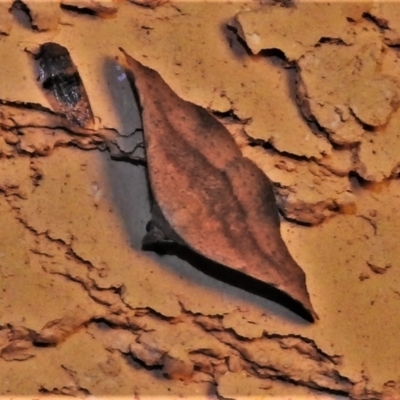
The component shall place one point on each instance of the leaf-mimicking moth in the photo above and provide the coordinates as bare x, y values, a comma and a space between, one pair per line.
208, 196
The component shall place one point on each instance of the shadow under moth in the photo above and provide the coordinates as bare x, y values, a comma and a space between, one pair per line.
209, 197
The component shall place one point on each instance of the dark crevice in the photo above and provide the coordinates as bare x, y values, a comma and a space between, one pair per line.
240, 40
269, 146
142, 364
304, 112
381, 23
357, 180
21, 6
69, 252
43, 344
366, 127
206, 352
229, 115
267, 53
318, 130
310, 384
79, 10
237, 45
283, 377
155, 313
79, 392
80, 146
315, 127
39, 107
276, 374
395, 45
239, 338
349, 146
279, 3
294, 220
24, 17
115, 289
29, 106
104, 324
336, 41
303, 339
278, 53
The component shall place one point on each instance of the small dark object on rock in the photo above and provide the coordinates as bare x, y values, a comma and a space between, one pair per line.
63, 86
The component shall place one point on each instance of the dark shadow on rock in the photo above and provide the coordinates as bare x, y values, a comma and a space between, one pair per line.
230, 276
122, 97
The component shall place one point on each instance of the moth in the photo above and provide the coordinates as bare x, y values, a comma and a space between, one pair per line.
63, 85
209, 197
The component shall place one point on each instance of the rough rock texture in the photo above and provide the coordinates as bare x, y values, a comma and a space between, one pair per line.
5, 17
275, 27
84, 311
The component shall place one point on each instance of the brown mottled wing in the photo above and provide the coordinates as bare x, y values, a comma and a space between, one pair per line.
64, 88
219, 202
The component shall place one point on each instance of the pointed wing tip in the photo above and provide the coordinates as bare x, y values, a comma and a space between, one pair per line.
302, 303
305, 311
313, 315
298, 296
133, 65
308, 310
128, 58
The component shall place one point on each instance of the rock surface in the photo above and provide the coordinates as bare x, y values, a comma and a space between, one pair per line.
316, 110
